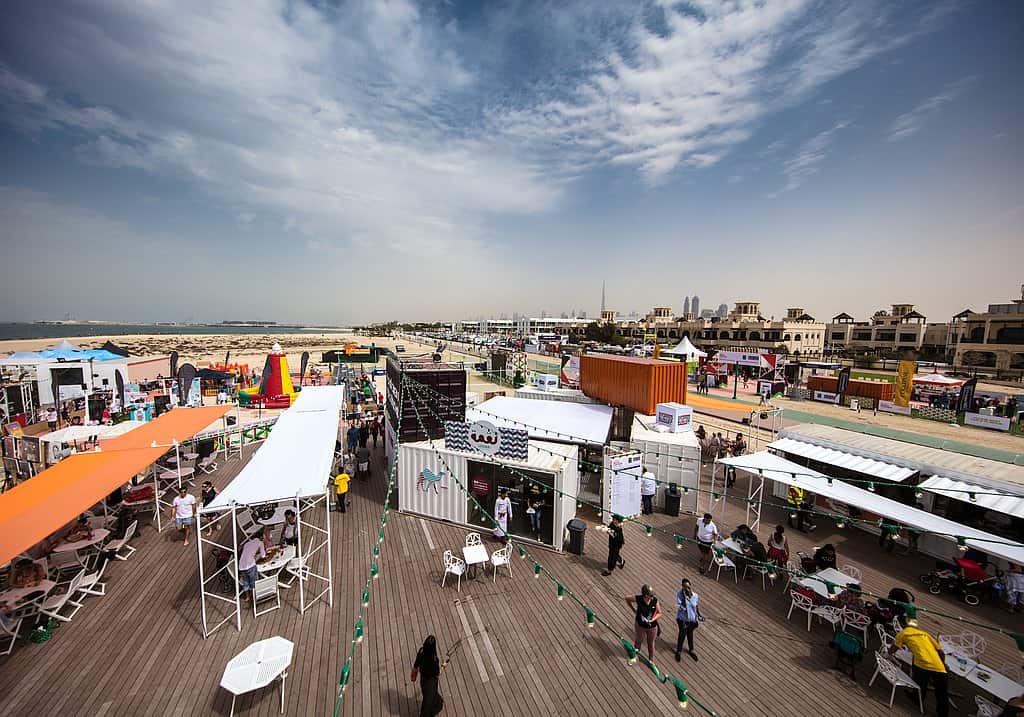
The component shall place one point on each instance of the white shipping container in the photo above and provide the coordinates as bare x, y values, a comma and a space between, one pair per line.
672, 457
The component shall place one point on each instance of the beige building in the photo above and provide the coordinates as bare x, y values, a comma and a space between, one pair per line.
902, 328
994, 339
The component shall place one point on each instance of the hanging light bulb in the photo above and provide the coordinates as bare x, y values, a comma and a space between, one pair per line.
536, 570
359, 630
590, 617
917, 492
650, 530
522, 553
679, 542
682, 693
717, 497
973, 497
374, 572
840, 523
832, 594
366, 596
830, 481
630, 651
561, 592
871, 486
961, 543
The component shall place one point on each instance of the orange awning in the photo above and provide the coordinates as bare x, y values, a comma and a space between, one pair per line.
179, 425
41, 505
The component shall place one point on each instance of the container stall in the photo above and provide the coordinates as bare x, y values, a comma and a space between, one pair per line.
672, 457
637, 383
857, 388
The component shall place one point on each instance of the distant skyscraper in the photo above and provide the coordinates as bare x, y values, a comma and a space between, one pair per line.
723, 311
695, 305
603, 307
686, 305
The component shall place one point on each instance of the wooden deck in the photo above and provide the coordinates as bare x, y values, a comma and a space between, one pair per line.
140, 651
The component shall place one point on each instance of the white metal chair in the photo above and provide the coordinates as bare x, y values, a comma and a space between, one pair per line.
247, 522
967, 644
91, 584
1013, 671
455, 566
473, 539
986, 708
831, 614
265, 590
116, 546
792, 568
723, 561
852, 570
896, 677
297, 567
502, 556
52, 606
857, 621
801, 602
762, 570
883, 636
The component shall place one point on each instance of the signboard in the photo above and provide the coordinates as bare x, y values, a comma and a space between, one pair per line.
739, 357
826, 396
479, 485
484, 437
570, 375
997, 423
965, 400
843, 381
30, 449
676, 417
904, 383
622, 476
891, 407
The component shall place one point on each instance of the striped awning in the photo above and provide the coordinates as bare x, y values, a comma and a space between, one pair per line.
842, 459
985, 497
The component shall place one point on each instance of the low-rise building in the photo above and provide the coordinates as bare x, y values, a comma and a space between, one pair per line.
900, 329
993, 339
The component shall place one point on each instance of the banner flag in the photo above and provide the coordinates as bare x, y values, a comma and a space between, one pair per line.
904, 383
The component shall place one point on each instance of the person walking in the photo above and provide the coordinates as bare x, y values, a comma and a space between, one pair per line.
929, 662
502, 514
364, 434
183, 509
778, 547
363, 462
645, 627
375, 430
705, 533
428, 668
341, 490
352, 437
648, 488
795, 500
615, 543
51, 418
688, 617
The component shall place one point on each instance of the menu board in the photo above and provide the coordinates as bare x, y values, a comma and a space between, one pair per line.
622, 483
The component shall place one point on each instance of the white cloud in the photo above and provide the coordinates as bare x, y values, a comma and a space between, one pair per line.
807, 161
909, 123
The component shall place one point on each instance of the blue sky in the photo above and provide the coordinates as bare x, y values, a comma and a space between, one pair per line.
357, 161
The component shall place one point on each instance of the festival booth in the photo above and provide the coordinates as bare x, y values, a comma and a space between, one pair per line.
673, 457
685, 351
845, 501
566, 422
291, 470
58, 445
429, 474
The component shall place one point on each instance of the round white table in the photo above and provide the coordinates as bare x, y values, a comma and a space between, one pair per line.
98, 536
257, 666
274, 565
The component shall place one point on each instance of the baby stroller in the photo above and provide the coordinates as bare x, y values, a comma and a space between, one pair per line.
970, 581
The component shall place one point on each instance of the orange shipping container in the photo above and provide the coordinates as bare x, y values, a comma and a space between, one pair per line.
878, 390
637, 383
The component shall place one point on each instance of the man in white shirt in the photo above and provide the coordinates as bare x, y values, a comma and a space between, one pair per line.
247, 571
183, 508
705, 534
51, 418
648, 487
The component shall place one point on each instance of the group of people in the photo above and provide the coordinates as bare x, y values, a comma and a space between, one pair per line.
357, 439
715, 445
647, 612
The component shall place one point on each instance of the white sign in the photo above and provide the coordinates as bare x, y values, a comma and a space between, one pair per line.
622, 478
998, 423
484, 437
891, 407
826, 396
740, 357
675, 417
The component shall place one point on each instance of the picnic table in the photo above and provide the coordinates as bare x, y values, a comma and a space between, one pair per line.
257, 666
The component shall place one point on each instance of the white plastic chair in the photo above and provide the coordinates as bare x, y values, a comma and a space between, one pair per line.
264, 590
116, 546
455, 566
52, 606
801, 602
852, 570
91, 584
986, 708
473, 539
857, 621
896, 677
831, 614
247, 522
209, 464
723, 561
1013, 671
297, 567
760, 569
502, 556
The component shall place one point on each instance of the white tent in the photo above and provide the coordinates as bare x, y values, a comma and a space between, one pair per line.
293, 465
938, 380
551, 420
768, 465
65, 345
686, 350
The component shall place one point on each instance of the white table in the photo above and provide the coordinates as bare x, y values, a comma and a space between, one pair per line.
185, 456
981, 676
818, 581
475, 555
278, 517
98, 536
257, 666
13, 596
730, 544
276, 564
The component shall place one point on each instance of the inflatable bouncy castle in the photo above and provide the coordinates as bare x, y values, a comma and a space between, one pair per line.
275, 389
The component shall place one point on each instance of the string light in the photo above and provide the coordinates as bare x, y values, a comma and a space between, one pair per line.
590, 617
650, 531
871, 486
374, 572
366, 596
679, 542
359, 630
561, 592
630, 651
973, 497
536, 570
961, 543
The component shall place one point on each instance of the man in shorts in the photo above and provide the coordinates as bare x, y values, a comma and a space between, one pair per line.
183, 507
705, 534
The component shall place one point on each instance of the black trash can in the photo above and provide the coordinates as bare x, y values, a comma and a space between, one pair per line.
576, 530
672, 500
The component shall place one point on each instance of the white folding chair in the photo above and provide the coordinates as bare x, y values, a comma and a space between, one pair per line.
801, 602
91, 584
297, 567
473, 539
852, 570
502, 556
762, 570
116, 546
208, 465
723, 561
9, 633
64, 563
455, 566
857, 621
265, 590
986, 708
247, 522
52, 606
896, 677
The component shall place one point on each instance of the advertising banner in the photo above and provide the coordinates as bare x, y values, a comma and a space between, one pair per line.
740, 357
904, 383
965, 400
890, 407
484, 437
570, 375
997, 423
842, 382
622, 481
826, 396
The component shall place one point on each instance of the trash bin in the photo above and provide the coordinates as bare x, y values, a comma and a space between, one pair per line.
672, 500
854, 404
576, 530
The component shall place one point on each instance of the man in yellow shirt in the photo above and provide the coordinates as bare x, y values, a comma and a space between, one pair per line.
341, 488
929, 662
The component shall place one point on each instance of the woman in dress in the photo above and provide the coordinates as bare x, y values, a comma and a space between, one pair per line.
429, 668
778, 547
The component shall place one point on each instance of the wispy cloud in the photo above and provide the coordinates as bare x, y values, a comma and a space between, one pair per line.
808, 158
909, 123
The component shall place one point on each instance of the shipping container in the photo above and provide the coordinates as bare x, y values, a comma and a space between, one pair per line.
637, 383
674, 458
438, 395
857, 388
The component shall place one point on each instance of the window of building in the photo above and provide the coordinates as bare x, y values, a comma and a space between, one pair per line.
911, 338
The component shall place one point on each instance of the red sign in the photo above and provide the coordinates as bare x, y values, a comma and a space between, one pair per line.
480, 486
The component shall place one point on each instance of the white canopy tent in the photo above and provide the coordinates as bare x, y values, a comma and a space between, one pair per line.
563, 421
842, 459
938, 380
686, 350
768, 465
1006, 503
294, 464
